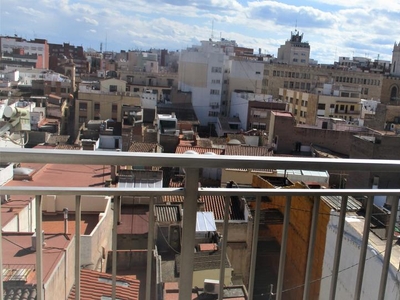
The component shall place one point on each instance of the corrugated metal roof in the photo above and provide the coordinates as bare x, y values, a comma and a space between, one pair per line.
336, 201
141, 179
167, 213
205, 222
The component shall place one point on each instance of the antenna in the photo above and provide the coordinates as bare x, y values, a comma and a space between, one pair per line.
295, 27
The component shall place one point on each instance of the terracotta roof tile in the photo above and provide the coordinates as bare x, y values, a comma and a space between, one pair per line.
199, 150
94, 285
142, 147
215, 204
247, 150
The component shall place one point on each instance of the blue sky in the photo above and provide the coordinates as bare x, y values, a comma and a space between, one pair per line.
333, 28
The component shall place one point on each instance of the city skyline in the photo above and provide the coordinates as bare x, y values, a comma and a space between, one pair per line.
347, 28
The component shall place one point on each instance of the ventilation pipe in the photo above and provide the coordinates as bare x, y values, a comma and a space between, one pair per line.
65, 211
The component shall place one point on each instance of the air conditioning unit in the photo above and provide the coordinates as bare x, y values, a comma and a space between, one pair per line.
211, 286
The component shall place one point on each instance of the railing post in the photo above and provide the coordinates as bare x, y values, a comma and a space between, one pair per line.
1, 262
282, 256
388, 249
363, 250
224, 245
188, 233
150, 244
338, 247
78, 247
117, 202
254, 247
310, 254
39, 248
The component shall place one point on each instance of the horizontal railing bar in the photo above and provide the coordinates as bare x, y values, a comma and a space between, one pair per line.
193, 161
5, 190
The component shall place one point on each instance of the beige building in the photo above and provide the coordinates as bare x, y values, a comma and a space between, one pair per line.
103, 103
309, 78
294, 51
301, 104
335, 101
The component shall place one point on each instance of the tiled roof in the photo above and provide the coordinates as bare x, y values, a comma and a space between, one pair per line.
212, 203
68, 147
142, 147
95, 285
20, 293
246, 150
216, 204
199, 150
206, 143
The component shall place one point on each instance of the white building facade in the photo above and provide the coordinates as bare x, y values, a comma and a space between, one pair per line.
202, 71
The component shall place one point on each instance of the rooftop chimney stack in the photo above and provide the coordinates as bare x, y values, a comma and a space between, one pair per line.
65, 211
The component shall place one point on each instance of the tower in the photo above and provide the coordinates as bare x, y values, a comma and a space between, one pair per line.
395, 69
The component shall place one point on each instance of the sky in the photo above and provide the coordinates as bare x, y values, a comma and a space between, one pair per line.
365, 28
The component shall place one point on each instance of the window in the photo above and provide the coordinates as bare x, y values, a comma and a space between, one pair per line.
82, 120
258, 73
303, 60
114, 108
341, 107
113, 88
351, 107
295, 59
82, 106
295, 53
97, 106
213, 113
53, 90
217, 81
214, 92
216, 70
63, 90
321, 105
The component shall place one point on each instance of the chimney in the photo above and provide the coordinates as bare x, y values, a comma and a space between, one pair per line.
65, 211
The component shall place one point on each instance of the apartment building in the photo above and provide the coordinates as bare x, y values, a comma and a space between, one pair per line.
295, 51
60, 52
102, 100
40, 47
203, 71
331, 100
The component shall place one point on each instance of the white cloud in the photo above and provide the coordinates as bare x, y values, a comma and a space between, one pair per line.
330, 27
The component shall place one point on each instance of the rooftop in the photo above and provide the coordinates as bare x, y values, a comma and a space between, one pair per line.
96, 285
16, 248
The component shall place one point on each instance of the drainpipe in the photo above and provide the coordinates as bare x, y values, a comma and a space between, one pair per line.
65, 211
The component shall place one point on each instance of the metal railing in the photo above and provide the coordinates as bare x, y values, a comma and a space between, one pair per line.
191, 192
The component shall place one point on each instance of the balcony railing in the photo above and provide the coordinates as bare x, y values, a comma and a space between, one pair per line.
191, 192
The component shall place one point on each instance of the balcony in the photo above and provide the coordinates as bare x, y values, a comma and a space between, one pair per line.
290, 198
